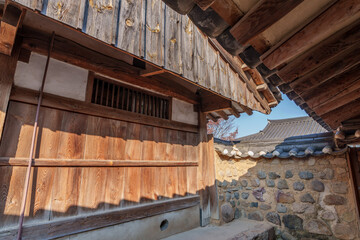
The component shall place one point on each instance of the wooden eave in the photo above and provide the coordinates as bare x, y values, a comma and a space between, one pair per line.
307, 49
221, 81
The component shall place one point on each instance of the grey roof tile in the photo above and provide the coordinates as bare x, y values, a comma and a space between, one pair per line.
285, 138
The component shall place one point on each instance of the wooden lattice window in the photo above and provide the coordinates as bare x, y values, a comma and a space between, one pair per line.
109, 93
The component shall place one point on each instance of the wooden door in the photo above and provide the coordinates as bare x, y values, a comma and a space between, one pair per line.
354, 164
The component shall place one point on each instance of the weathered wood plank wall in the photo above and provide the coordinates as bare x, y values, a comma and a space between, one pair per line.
149, 29
63, 191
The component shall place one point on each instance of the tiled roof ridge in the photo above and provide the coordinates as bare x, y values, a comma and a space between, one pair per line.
303, 118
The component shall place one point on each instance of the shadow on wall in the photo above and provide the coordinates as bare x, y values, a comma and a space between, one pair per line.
303, 197
56, 209
62, 193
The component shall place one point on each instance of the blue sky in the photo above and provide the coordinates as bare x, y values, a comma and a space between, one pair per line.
252, 124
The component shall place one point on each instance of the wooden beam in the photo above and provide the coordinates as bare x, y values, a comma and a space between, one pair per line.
273, 104
236, 64
7, 72
337, 16
222, 115
78, 224
336, 66
151, 71
9, 25
262, 87
211, 104
212, 118
42, 162
345, 112
347, 80
52, 101
247, 110
227, 10
204, 4
234, 111
329, 48
68, 51
343, 97
260, 17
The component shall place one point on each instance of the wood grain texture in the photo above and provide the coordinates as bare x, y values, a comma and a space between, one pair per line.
173, 41
200, 59
73, 53
85, 223
131, 27
32, 4
333, 87
344, 61
343, 113
187, 47
227, 10
321, 53
67, 12
102, 20
7, 72
155, 32
91, 164
146, 29
336, 17
260, 17
29, 96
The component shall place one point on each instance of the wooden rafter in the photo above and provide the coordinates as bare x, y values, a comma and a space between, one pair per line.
345, 112
223, 115
234, 111
204, 4
260, 17
228, 10
211, 117
236, 63
337, 16
321, 53
337, 65
211, 104
346, 96
332, 87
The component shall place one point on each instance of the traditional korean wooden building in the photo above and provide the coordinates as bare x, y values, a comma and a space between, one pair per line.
103, 111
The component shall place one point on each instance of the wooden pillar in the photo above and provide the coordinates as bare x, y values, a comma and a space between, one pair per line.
7, 72
206, 174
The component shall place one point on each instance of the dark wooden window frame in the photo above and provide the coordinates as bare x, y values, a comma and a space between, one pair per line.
146, 111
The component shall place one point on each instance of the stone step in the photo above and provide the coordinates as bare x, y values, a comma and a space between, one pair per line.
235, 230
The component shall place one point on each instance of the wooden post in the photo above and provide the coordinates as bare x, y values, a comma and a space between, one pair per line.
206, 174
7, 72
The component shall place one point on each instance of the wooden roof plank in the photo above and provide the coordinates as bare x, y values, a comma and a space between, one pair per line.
172, 40
332, 87
336, 66
321, 53
228, 10
155, 32
343, 113
260, 17
340, 100
336, 17
130, 36
187, 47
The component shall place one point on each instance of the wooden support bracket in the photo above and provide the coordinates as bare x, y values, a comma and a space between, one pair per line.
10, 23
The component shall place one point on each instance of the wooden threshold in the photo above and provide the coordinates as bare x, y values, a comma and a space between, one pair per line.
52, 101
48, 162
65, 227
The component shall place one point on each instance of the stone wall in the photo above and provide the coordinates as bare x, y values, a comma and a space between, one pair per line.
310, 198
